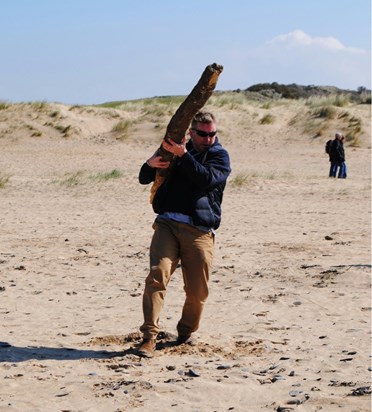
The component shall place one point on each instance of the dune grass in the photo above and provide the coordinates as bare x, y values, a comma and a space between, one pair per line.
81, 177
267, 119
338, 100
121, 129
4, 179
105, 176
246, 179
3, 105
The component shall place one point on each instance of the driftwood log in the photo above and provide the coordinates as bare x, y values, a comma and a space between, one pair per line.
180, 121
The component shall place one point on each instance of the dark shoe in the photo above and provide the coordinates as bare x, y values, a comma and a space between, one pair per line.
147, 348
185, 340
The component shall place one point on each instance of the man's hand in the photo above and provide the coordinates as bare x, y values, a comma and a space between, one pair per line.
175, 148
156, 162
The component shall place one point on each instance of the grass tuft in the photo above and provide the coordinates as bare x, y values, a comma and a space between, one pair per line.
80, 177
3, 105
104, 176
325, 112
121, 129
267, 119
4, 179
73, 179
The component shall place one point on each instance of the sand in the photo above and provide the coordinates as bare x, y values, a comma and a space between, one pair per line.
287, 324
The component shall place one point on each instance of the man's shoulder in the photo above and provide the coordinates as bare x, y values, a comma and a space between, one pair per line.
219, 153
217, 147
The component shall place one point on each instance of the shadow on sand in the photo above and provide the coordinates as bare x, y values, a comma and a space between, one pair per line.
9, 353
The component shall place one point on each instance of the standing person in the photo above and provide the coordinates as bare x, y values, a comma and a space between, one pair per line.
337, 157
188, 208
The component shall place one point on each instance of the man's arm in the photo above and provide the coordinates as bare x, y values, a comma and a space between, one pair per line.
208, 175
148, 170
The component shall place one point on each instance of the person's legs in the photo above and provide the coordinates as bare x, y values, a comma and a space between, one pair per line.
164, 256
196, 259
342, 172
333, 169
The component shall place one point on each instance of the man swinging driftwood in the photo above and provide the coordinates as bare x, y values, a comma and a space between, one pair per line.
180, 121
190, 177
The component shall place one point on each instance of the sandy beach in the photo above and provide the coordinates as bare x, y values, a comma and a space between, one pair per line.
287, 324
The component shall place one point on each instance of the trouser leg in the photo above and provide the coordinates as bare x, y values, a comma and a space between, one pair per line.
196, 260
333, 170
342, 171
164, 256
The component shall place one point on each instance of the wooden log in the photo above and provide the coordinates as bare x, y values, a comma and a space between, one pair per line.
180, 121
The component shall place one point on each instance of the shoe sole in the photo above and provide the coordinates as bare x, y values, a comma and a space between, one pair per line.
189, 341
143, 354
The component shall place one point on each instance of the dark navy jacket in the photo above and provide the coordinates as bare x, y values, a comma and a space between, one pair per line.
337, 153
194, 186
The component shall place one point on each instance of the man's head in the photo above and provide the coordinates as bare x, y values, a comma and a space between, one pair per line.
203, 131
339, 136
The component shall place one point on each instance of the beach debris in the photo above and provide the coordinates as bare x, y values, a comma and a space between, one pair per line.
220, 367
295, 393
299, 401
192, 373
305, 266
315, 389
343, 383
277, 378
60, 395
361, 391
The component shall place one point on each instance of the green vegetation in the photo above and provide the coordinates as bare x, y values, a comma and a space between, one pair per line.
66, 131
38, 106
81, 177
228, 99
354, 130
338, 100
164, 101
4, 179
73, 179
267, 105
267, 119
339, 97
104, 176
326, 112
3, 105
36, 134
241, 179
121, 129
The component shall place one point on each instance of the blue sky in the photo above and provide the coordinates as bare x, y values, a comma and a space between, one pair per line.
93, 51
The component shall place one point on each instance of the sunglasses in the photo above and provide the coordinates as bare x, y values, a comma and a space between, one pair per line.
202, 133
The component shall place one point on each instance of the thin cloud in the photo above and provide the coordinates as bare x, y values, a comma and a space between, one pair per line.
297, 57
300, 39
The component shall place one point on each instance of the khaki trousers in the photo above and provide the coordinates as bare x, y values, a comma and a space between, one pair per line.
173, 242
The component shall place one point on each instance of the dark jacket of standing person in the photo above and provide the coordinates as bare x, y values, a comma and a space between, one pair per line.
337, 157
